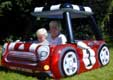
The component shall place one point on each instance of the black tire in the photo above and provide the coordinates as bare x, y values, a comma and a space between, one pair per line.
69, 62
104, 55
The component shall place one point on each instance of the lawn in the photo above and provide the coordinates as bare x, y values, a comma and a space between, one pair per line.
104, 73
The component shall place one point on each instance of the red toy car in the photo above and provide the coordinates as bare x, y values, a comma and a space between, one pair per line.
74, 57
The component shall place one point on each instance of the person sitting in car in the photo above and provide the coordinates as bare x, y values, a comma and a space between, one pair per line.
56, 37
42, 36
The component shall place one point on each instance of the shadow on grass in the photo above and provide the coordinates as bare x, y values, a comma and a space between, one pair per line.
39, 76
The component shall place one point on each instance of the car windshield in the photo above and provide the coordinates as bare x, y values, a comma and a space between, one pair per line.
82, 27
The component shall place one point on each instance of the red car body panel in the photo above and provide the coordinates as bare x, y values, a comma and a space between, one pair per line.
10, 60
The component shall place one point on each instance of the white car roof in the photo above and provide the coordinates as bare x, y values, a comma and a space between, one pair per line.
56, 11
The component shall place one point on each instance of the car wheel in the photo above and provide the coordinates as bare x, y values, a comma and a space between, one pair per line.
70, 63
104, 55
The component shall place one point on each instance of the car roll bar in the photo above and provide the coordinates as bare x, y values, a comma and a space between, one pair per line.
67, 19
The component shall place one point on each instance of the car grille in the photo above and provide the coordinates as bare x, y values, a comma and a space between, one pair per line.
22, 57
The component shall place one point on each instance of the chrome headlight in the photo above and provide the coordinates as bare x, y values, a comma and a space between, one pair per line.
43, 52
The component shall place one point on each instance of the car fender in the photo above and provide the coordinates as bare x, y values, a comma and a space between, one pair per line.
56, 59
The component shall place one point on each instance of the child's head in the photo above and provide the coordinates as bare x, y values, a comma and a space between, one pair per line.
41, 34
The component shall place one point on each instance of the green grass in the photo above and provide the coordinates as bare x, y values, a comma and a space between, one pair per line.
104, 73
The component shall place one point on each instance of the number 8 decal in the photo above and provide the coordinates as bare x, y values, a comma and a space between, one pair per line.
89, 58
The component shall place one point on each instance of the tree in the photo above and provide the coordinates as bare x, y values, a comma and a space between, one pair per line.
15, 14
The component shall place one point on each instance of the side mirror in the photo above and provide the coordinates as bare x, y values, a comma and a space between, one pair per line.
82, 45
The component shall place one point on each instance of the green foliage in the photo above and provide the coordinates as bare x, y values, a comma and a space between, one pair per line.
19, 11
15, 6
6, 5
